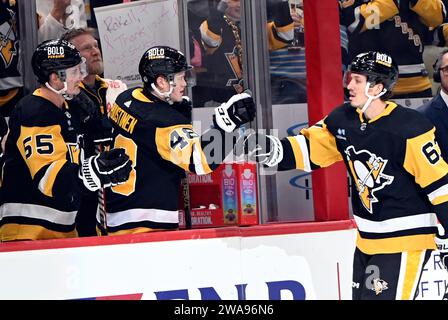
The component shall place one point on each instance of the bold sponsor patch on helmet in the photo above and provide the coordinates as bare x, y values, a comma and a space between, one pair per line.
55, 52
156, 53
383, 59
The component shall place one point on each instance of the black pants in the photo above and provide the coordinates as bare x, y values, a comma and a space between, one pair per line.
392, 276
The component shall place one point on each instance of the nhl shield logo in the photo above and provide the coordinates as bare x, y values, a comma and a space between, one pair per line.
367, 172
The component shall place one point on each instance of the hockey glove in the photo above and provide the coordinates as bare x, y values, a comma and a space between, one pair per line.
442, 247
260, 148
93, 123
109, 168
232, 114
102, 135
88, 111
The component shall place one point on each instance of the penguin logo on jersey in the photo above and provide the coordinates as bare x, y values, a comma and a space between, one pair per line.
367, 171
8, 41
379, 286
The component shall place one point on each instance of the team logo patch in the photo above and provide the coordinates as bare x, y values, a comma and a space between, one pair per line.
367, 171
379, 286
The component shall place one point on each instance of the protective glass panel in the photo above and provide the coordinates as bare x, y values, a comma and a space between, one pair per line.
287, 52
215, 50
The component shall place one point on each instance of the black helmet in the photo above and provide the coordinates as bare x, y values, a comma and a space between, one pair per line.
161, 60
377, 67
52, 56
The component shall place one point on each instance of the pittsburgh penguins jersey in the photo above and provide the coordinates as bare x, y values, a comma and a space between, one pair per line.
40, 191
162, 145
224, 52
398, 28
399, 179
9, 46
11, 81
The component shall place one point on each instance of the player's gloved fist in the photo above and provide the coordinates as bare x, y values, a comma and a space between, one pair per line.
88, 111
109, 168
260, 148
442, 247
102, 135
232, 114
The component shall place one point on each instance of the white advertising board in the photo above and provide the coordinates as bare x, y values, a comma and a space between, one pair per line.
195, 265
277, 266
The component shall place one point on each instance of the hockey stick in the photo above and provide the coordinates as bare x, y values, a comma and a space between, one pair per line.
186, 198
186, 186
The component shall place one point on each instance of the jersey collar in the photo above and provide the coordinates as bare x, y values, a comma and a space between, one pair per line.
138, 94
390, 106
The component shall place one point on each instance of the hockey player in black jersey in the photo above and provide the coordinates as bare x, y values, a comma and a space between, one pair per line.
398, 28
223, 58
45, 172
400, 181
89, 109
152, 124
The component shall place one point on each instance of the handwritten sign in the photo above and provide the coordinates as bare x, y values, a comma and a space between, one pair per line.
127, 30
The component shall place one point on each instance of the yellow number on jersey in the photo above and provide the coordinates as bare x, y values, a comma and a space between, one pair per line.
131, 150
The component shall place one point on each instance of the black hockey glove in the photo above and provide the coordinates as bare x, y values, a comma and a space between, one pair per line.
442, 247
102, 135
232, 114
93, 122
88, 111
109, 168
260, 148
